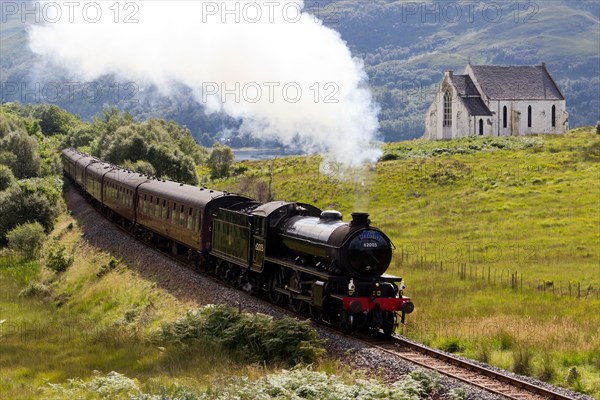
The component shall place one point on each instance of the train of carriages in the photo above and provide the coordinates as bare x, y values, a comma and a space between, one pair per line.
290, 252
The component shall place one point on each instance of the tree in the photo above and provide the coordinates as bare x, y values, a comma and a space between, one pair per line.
53, 120
6, 177
26, 162
141, 166
81, 135
172, 164
28, 201
219, 161
10, 123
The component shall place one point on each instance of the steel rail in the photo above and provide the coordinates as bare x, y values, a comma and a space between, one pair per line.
491, 380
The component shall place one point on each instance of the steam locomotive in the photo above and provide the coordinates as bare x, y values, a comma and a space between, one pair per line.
292, 253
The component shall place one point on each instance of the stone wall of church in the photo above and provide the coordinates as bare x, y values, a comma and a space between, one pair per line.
517, 117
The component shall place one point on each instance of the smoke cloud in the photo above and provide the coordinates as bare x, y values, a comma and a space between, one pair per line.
269, 63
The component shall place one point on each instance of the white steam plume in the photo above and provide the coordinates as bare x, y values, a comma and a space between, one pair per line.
245, 58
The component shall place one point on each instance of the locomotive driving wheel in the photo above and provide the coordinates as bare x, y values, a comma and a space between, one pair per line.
276, 281
296, 305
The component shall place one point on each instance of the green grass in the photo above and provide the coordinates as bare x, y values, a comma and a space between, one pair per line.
88, 325
99, 330
527, 206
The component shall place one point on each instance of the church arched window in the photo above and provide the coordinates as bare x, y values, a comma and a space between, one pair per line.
447, 108
529, 117
481, 126
504, 117
553, 116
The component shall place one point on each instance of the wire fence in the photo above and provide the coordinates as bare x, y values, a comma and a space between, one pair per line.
488, 276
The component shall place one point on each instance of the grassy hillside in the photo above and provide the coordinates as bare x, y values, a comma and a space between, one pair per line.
466, 216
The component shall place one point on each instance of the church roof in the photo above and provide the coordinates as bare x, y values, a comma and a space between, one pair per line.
470, 96
516, 82
464, 85
476, 106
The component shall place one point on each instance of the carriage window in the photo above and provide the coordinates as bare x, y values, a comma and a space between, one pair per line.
190, 221
198, 219
174, 214
181, 217
157, 209
165, 214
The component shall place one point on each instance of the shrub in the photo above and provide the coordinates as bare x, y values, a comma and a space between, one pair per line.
419, 384
29, 201
573, 379
452, 345
253, 337
459, 393
35, 289
27, 238
112, 264
299, 383
113, 385
57, 258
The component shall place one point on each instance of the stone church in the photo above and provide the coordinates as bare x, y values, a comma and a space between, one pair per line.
493, 100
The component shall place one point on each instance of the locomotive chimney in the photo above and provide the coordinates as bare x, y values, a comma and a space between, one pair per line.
360, 219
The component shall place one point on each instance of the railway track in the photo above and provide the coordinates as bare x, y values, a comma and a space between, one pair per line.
487, 379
